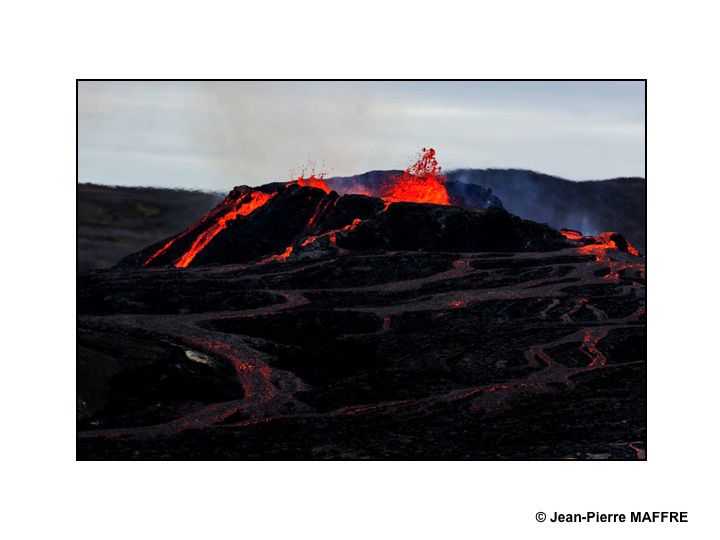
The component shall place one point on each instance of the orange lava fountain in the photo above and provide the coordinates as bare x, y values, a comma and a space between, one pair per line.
313, 181
421, 183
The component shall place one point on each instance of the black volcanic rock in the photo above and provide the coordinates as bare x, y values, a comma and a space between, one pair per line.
377, 354
131, 380
422, 227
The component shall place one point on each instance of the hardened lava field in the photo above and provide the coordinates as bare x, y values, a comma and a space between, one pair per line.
371, 355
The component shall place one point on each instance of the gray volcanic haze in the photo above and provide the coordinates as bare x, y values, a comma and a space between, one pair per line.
216, 135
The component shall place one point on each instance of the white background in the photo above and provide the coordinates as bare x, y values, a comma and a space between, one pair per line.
46, 45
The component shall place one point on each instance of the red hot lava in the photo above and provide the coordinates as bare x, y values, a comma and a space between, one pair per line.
313, 181
421, 183
248, 203
606, 242
256, 200
572, 234
602, 246
600, 243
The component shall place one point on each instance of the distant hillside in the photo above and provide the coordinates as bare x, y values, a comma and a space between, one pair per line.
590, 206
115, 221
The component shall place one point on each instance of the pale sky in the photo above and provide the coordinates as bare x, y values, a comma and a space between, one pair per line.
215, 135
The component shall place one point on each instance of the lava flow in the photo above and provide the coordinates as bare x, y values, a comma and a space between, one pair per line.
600, 244
250, 202
606, 242
572, 234
421, 183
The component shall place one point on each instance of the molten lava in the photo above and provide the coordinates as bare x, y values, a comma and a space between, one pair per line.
314, 181
320, 210
602, 247
282, 257
605, 242
572, 234
247, 204
601, 243
164, 248
331, 235
421, 183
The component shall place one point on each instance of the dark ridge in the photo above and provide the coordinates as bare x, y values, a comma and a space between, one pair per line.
307, 222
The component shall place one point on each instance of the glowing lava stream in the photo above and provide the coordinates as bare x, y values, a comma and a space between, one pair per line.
602, 249
603, 242
331, 236
282, 257
257, 199
165, 247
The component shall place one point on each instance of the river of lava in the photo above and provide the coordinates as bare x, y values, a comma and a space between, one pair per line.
248, 203
164, 248
282, 257
421, 183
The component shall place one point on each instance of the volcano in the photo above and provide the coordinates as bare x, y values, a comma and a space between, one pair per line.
306, 217
379, 319
253, 224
